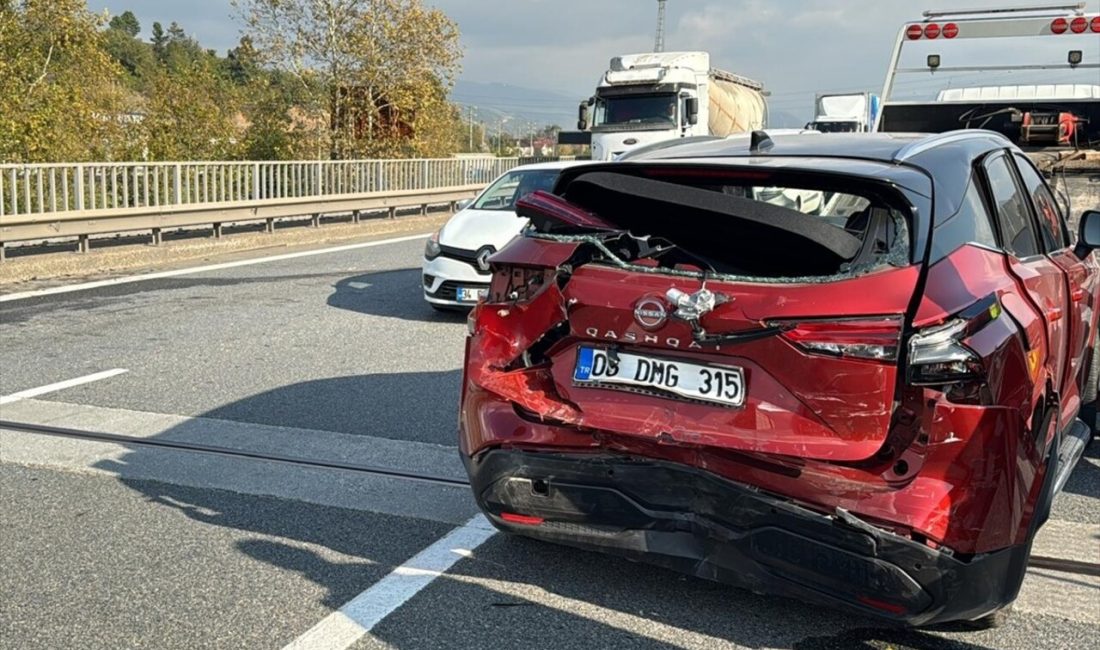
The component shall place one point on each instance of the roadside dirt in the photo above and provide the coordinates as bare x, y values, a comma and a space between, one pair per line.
20, 273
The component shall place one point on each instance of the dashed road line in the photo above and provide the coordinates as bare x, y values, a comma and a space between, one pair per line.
358, 616
61, 385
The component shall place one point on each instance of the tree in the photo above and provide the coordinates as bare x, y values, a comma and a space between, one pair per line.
377, 66
60, 99
127, 23
190, 114
241, 63
159, 41
121, 42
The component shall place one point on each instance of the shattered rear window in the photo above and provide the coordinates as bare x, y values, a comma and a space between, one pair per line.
771, 229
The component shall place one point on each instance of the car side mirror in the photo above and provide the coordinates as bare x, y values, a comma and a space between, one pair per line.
463, 204
691, 107
1088, 233
582, 116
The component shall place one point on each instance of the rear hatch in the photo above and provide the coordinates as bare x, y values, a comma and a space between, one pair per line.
700, 315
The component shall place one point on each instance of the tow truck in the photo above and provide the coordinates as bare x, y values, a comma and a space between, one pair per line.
1052, 112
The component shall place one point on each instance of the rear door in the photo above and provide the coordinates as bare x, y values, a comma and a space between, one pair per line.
1057, 242
1043, 280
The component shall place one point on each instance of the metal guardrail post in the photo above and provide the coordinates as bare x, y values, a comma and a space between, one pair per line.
177, 192
255, 181
78, 191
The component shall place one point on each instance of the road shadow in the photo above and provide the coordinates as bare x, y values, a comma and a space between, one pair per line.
523, 592
420, 406
111, 297
394, 294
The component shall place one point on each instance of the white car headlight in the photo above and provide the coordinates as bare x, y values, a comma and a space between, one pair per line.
432, 248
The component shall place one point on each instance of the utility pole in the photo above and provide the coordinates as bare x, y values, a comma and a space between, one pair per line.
659, 44
472, 109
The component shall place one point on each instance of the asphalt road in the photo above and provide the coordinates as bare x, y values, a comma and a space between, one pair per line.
334, 357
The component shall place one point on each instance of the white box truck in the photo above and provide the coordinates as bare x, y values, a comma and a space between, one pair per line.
844, 112
646, 98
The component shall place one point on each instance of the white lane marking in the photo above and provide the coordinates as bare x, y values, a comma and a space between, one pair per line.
358, 616
61, 385
202, 269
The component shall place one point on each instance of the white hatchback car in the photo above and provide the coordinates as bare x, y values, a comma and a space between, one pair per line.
456, 259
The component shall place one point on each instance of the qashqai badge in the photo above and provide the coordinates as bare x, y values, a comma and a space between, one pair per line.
650, 313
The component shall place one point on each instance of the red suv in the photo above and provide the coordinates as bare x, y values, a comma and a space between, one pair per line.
871, 405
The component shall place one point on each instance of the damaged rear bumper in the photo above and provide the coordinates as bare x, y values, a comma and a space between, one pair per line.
697, 523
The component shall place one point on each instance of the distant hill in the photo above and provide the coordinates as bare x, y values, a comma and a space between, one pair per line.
494, 101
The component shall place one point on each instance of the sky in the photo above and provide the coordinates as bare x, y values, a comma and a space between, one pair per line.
796, 47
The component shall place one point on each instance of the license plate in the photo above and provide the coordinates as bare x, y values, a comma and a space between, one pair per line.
471, 294
666, 377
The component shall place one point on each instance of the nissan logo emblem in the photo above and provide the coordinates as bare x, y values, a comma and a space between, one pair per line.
483, 256
650, 313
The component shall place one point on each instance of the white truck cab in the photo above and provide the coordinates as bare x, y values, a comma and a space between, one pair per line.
646, 98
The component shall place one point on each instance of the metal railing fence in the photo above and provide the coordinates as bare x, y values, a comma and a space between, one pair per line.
36, 189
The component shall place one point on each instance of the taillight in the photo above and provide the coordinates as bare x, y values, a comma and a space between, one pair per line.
874, 339
950, 30
1079, 24
1059, 26
914, 32
938, 356
1095, 24
513, 284
525, 520
931, 30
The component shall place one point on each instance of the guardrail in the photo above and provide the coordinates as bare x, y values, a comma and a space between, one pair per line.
62, 187
41, 202
85, 223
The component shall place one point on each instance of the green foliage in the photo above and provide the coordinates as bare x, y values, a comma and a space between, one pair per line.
136, 58
190, 113
381, 69
314, 79
127, 23
59, 92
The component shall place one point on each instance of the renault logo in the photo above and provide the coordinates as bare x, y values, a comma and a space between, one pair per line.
483, 256
650, 313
